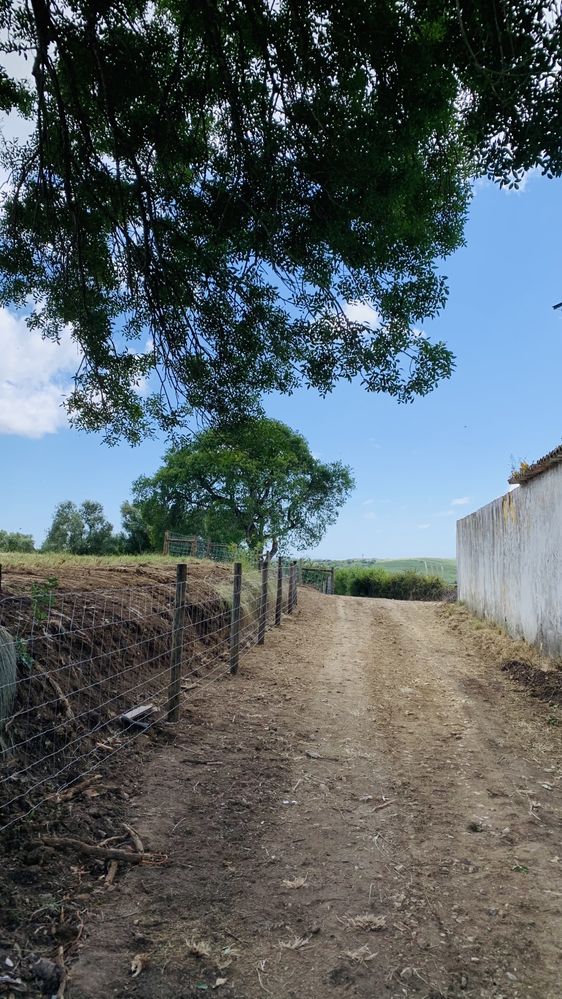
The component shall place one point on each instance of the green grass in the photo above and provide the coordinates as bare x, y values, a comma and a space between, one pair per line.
445, 568
39, 560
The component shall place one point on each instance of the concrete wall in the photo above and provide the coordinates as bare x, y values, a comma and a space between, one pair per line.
509, 561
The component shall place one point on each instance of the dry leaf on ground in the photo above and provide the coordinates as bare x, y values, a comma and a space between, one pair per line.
294, 883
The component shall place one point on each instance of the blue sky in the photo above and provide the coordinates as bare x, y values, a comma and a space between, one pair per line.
417, 467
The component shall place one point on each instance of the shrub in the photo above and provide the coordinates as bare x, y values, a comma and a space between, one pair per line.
408, 585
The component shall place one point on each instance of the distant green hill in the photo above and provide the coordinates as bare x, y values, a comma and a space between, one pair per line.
445, 568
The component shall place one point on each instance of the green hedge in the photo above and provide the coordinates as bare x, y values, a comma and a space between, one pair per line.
396, 585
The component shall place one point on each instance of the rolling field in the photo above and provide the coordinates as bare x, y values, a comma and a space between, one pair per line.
445, 568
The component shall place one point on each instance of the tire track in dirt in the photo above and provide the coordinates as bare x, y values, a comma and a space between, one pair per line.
364, 764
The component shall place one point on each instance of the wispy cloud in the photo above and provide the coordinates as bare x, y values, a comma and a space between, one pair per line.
360, 312
369, 515
423, 527
461, 501
374, 443
367, 502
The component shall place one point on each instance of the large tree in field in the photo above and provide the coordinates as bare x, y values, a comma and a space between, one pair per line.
258, 484
207, 184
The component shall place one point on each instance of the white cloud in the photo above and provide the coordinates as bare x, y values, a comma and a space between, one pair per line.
423, 527
367, 502
461, 501
374, 443
360, 312
35, 377
369, 515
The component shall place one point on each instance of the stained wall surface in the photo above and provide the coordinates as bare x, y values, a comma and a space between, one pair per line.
509, 561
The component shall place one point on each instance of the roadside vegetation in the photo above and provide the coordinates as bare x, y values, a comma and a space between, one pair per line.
377, 582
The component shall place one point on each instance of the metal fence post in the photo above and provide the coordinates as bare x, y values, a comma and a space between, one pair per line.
296, 584
173, 705
279, 594
235, 618
263, 600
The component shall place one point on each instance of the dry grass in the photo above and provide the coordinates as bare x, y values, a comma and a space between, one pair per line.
296, 944
199, 948
361, 956
366, 921
492, 642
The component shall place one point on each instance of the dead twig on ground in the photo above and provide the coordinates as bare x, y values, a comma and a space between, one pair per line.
101, 852
59, 961
71, 792
135, 837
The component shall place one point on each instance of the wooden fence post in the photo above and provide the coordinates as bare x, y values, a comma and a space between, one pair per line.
263, 600
291, 588
296, 583
332, 581
166, 543
235, 618
279, 594
173, 705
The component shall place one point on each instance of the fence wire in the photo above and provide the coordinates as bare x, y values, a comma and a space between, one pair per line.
73, 665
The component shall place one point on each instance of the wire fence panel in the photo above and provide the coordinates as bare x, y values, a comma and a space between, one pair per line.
84, 674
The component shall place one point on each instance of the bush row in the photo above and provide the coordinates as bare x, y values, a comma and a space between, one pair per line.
407, 585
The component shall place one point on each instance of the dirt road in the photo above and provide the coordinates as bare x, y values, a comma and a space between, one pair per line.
368, 809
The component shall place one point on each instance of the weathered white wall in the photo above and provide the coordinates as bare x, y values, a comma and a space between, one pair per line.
509, 561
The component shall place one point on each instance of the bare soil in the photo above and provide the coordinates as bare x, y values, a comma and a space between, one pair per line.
370, 808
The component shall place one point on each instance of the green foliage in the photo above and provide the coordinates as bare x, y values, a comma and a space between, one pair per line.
207, 185
42, 597
23, 656
445, 568
13, 541
81, 530
135, 537
256, 484
394, 585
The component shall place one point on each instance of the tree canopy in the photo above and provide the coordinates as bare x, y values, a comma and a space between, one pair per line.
207, 185
258, 485
15, 541
80, 530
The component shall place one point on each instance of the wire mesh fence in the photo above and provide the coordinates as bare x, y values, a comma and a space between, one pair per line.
83, 674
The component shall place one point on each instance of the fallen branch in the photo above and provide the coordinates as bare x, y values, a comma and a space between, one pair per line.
59, 960
385, 804
71, 792
101, 852
135, 837
112, 872
58, 691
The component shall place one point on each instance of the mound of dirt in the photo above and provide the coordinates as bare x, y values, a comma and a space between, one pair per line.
545, 685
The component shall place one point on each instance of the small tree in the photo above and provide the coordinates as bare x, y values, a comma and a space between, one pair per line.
66, 531
256, 483
80, 530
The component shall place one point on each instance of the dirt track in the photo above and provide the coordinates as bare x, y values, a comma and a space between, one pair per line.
363, 764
